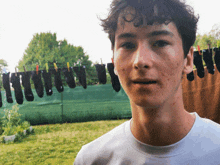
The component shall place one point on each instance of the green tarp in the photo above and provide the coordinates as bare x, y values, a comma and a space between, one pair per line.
97, 102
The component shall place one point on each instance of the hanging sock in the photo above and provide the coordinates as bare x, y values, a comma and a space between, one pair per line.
57, 80
190, 76
101, 72
47, 82
199, 64
81, 74
17, 88
27, 86
36, 77
215, 49
217, 59
0, 98
69, 77
6, 85
114, 78
207, 57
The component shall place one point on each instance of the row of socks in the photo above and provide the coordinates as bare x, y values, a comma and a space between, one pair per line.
6, 85
199, 64
68, 74
36, 77
101, 72
15, 80
81, 74
47, 82
27, 86
217, 58
114, 78
207, 56
38, 84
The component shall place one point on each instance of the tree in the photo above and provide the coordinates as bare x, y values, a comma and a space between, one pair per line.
3, 64
212, 38
44, 48
204, 40
215, 32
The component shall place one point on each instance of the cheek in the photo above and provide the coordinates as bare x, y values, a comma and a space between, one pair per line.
120, 63
175, 61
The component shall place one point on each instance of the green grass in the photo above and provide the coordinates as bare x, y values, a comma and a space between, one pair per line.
54, 143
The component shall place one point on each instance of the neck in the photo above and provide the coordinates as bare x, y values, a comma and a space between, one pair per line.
164, 125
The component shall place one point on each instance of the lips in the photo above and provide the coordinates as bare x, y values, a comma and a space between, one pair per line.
145, 82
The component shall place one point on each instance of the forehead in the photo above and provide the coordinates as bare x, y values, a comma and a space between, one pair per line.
127, 19
128, 27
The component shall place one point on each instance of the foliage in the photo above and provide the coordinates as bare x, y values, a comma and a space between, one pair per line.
44, 48
215, 32
11, 117
204, 40
11, 124
212, 38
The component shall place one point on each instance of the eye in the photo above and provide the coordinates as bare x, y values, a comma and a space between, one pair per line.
128, 45
160, 43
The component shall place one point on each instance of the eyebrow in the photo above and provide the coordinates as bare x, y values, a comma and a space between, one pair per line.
149, 35
161, 32
126, 35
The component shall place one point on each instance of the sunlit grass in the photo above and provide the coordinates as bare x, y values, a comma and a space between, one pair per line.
55, 143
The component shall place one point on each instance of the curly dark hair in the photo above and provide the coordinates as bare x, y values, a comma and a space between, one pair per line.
148, 12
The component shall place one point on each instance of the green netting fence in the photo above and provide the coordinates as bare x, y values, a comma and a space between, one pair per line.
97, 102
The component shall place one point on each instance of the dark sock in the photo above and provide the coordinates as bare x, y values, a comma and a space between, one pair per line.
101, 72
217, 59
114, 78
6, 85
47, 82
69, 77
207, 57
190, 76
17, 88
57, 80
199, 64
0, 98
216, 49
81, 74
38, 83
27, 86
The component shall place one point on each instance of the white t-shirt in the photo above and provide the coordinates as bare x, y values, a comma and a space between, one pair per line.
201, 146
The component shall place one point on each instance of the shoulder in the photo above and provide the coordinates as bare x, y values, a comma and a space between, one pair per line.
104, 146
210, 127
209, 134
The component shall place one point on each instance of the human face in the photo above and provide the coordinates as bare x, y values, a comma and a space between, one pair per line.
149, 62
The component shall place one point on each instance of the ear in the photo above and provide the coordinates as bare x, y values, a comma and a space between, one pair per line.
188, 62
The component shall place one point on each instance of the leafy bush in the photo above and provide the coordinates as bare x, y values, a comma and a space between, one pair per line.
12, 117
11, 124
25, 125
9, 129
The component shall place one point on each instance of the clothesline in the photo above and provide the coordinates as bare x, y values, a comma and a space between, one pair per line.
81, 75
39, 86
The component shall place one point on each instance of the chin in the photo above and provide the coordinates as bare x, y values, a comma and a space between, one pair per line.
146, 103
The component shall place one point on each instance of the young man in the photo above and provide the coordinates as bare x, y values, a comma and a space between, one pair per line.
152, 46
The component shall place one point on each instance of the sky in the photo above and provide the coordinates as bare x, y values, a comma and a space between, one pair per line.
74, 20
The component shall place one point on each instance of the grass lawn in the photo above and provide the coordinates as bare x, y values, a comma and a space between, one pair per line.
54, 143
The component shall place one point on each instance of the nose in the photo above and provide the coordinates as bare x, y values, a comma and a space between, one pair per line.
143, 57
